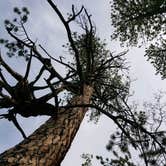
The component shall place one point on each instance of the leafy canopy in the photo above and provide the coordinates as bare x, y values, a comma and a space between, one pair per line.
138, 19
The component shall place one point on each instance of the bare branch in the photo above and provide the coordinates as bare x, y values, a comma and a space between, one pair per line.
120, 117
5, 85
26, 34
54, 93
38, 76
69, 33
17, 76
15, 122
11, 117
74, 14
49, 68
48, 96
28, 66
54, 83
56, 60
6, 101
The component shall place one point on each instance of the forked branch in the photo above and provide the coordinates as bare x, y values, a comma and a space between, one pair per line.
70, 38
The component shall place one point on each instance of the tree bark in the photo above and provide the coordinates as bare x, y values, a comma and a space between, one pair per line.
48, 145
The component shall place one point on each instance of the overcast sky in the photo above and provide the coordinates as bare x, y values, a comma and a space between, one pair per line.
47, 29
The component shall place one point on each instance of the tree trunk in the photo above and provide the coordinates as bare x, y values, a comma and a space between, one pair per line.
48, 145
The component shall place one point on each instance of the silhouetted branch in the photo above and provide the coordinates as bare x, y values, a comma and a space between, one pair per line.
69, 33
26, 34
118, 118
37, 77
17, 76
6, 101
28, 66
54, 93
4, 84
74, 14
47, 65
56, 60
11, 117
54, 83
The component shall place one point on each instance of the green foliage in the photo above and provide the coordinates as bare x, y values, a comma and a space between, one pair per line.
16, 26
104, 71
88, 159
21, 18
14, 48
135, 19
105, 68
142, 19
148, 148
120, 161
92, 51
151, 153
156, 54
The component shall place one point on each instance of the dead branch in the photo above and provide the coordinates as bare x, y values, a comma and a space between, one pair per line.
71, 40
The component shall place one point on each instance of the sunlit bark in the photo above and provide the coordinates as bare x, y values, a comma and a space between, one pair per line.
49, 144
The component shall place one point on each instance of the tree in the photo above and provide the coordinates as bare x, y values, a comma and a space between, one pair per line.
94, 79
136, 21
83, 79
122, 154
140, 20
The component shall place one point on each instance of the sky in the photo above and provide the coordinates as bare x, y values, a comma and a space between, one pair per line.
45, 27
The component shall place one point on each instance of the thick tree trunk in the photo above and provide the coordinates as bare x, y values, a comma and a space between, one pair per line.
48, 145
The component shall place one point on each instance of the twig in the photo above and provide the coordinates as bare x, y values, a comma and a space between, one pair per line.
56, 60
69, 33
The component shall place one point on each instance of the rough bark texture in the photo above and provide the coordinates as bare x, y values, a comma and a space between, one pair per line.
48, 145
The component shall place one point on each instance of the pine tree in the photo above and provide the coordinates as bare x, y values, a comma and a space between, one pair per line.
94, 80
137, 21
